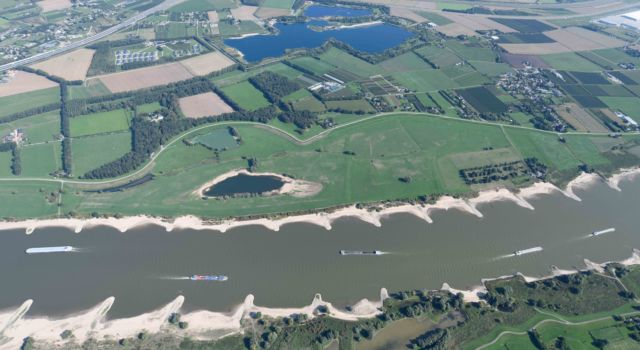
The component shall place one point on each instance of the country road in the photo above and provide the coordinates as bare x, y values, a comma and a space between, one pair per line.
86, 41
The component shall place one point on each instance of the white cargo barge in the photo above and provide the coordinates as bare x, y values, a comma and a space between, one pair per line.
360, 252
44, 250
527, 251
602, 232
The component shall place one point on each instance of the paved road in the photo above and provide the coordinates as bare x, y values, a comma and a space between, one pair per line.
86, 41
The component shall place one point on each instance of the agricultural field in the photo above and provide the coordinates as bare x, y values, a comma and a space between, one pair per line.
207, 63
148, 108
203, 5
278, 4
98, 123
246, 96
203, 105
40, 160
23, 82
20, 102
39, 128
351, 106
93, 151
482, 100
90, 88
217, 139
141, 78
71, 66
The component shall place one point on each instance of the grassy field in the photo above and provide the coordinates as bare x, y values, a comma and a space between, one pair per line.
246, 95
39, 128
425, 81
343, 60
40, 160
203, 5
28, 100
92, 151
627, 105
148, 107
97, 123
381, 148
91, 88
570, 61
278, 4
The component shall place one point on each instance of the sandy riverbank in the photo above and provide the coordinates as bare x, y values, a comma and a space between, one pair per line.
93, 323
15, 324
324, 219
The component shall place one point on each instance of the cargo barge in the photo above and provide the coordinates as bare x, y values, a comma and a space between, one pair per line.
44, 250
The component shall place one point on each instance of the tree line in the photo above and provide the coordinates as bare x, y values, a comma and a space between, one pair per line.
16, 161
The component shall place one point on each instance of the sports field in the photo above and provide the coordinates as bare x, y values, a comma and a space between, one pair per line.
98, 123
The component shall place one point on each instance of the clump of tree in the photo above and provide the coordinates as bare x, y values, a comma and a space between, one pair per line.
435, 339
273, 86
301, 119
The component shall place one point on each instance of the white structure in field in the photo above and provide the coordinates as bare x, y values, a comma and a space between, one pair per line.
628, 20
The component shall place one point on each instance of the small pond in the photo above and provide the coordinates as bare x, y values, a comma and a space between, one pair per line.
243, 183
300, 35
319, 11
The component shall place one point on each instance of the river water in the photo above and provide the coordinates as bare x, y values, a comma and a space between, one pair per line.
145, 268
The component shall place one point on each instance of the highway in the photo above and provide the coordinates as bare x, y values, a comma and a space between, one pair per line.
86, 41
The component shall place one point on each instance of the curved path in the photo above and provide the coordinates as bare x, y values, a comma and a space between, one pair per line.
286, 134
551, 320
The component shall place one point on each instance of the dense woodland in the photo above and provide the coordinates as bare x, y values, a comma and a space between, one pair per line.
273, 86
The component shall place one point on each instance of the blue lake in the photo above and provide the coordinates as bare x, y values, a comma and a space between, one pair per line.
318, 11
373, 39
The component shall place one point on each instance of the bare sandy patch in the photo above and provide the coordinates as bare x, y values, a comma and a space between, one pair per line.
53, 5
535, 49
25, 82
203, 105
266, 12
407, 14
70, 66
245, 13
136, 79
580, 39
213, 17
207, 63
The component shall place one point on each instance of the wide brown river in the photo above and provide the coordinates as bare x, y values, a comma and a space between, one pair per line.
143, 268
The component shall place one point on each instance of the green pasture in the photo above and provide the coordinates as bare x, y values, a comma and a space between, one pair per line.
343, 60
28, 100
93, 151
40, 160
39, 128
570, 61
278, 4
246, 95
98, 123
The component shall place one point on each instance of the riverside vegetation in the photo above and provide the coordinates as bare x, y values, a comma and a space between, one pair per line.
587, 309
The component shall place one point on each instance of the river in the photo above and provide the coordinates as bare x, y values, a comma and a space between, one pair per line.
142, 268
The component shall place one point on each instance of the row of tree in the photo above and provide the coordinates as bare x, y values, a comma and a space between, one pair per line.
16, 162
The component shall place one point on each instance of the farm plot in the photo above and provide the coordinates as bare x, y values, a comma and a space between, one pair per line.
438, 56
349, 63
246, 96
203, 105
54, 5
28, 100
524, 25
98, 123
570, 61
580, 39
578, 118
627, 105
482, 100
590, 78
425, 81
379, 85
40, 160
403, 63
71, 66
207, 63
278, 4
93, 151
136, 79
468, 25
244, 13
203, 5
313, 65
351, 106
39, 128
524, 38
22, 82
517, 61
